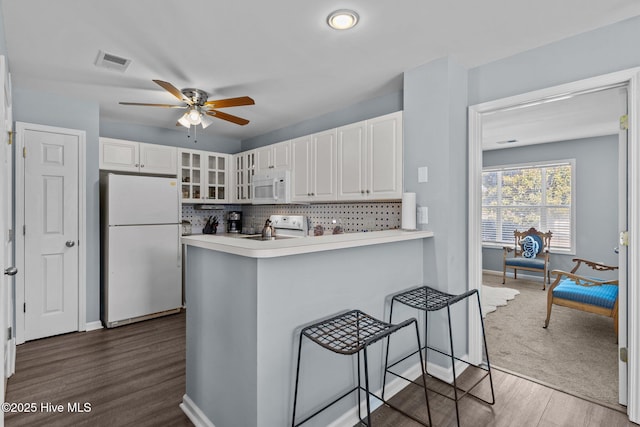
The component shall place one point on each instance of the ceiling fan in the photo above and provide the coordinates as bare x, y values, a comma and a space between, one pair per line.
199, 109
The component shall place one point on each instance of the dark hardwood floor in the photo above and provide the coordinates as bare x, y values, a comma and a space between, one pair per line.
135, 376
131, 375
519, 402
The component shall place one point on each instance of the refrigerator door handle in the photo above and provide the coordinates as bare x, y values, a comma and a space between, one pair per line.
179, 251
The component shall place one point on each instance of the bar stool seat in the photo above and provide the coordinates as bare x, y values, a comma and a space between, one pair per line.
351, 333
428, 299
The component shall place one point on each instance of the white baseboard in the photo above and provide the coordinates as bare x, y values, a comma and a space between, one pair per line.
349, 418
510, 274
195, 414
93, 326
446, 374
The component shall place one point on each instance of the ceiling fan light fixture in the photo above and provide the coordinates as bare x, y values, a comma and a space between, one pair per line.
342, 19
184, 121
205, 121
194, 116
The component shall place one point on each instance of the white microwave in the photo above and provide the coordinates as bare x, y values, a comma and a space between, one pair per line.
272, 187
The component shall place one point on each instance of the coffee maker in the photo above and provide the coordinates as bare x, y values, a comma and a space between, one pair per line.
234, 222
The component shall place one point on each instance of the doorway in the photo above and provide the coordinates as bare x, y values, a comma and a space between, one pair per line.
628, 375
51, 250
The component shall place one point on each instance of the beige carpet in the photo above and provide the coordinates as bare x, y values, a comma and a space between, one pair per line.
576, 354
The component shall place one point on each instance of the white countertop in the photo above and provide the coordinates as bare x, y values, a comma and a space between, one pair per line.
236, 244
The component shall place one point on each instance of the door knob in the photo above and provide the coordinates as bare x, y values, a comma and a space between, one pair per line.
11, 271
70, 243
616, 250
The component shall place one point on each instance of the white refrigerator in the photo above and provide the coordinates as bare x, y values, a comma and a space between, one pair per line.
142, 272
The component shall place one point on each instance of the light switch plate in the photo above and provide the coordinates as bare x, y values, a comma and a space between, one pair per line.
423, 174
423, 215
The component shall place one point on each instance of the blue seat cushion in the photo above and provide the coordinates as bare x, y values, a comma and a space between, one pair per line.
601, 296
525, 262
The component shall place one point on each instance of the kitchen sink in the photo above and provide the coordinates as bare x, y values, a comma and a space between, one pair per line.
270, 238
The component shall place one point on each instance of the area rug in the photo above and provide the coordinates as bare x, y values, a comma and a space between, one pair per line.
492, 297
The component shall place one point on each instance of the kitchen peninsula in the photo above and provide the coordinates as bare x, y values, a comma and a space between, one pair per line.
246, 301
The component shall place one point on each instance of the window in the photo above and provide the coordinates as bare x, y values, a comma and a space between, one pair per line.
518, 197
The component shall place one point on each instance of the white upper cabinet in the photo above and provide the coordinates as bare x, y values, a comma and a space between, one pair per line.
370, 159
301, 168
313, 167
244, 168
274, 156
324, 166
132, 156
204, 176
352, 155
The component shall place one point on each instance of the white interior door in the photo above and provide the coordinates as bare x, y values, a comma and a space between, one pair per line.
622, 247
5, 255
51, 219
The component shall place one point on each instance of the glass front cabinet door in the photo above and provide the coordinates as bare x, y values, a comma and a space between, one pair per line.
245, 168
203, 176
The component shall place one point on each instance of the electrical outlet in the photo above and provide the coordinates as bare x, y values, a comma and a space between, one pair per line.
423, 215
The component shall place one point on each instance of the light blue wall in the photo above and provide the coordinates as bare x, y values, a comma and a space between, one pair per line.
435, 123
3, 40
596, 178
56, 110
354, 113
177, 137
601, 51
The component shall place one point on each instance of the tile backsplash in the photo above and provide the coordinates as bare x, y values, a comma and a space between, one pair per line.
353, 217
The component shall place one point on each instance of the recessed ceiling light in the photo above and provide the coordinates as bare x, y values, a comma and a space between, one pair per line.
342, 19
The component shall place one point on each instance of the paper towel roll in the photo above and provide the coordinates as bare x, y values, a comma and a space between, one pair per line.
408, 211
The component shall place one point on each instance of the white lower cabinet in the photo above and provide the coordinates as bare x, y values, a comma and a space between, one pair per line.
369, 161
313, 167
132, 156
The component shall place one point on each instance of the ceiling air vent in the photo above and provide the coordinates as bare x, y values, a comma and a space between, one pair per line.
113, 62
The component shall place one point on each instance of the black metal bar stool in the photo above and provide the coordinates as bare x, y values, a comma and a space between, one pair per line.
352, 333
429, 299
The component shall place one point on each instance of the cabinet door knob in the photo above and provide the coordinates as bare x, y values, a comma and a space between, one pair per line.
367, 191
141, 166
361, 191
136, 165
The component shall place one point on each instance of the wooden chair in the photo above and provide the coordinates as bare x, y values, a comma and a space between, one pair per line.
530, 252
585, 293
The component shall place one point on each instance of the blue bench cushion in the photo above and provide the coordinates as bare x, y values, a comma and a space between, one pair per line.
601, 296
525, 262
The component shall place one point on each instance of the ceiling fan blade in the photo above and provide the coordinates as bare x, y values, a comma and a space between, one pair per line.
172, 90
230, 102
153, 105
228, 117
